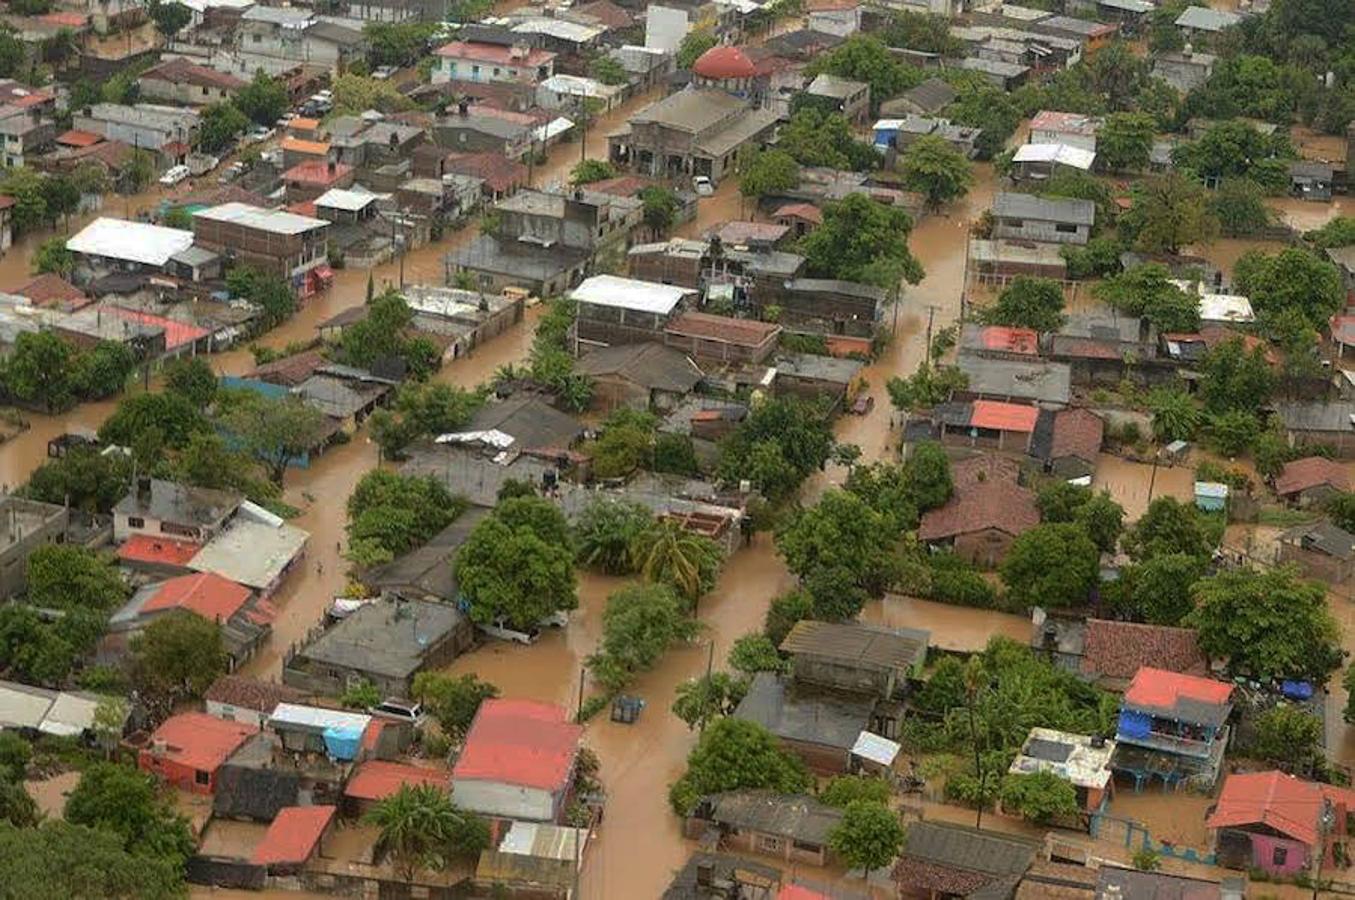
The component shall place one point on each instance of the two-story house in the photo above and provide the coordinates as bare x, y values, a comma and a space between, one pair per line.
285, 244
159, 508
144, 126
1048, 219
1174, 727
692, 132
484, 61
25, 134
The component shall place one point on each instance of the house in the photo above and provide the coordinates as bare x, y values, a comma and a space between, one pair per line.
373, 643
1067, 441
109, 245
297, 834
1069, 129
482, 61
244, 623
280, 243
182, 82
614, 310
26, 134
1092, 35
1082, 761
308, 180
842, 95
939, 859
987, 511
986, 423
811, 376
1033, 381
296, 151
465, 319
1093, 881
1310, 481
1310, 180
25, 526
145, 126
716, 876
1031, 218
1173, 726
569, 92
1037, 162
837, 17
1319, 423
639, 376
818, 725
999, 342
721, 339
1114, 651
336, 733
801, 218
927, 99
899, 134
517, 761
256, 549
533, 859
1196, 20
794, 827
346, 396
188, 749
499, 176
859, 658
235, 698
1280, 824
485, 131
693, 132
40, 711
1004, 75
374, 780
425, 573
156, 507
1321, 550
1186, 70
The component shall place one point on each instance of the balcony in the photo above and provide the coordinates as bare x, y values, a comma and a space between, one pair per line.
1173, 743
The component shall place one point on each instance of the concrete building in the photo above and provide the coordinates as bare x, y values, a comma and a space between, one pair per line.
1080, 760
1031, 218
1186, 70
1071, 129
794, 827
144, 126
639, 376
106, 246
188, 749
692, 132
236, 698
842, 95
156, 507
721, 339
188, 84
281, 243
26, 134
25, 525
1173, 727
481, 61
517, 762
1322, 551
987, 511
614, 310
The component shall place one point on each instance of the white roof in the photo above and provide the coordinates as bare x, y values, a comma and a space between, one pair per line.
272, 220
1082, 764
556, 126
22, 706
876, 749
251, 553
1225, 308
348, 201
575, 84
317, 717
493, 437
252, 510
1211, 489
1063, 154
627, 293
559, 28
1206, 19
138, 242
544, 841
70, 715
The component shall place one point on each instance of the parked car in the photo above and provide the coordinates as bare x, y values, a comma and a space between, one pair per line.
501, 630
233, 173
863, 404
557, 619
410, 711
174, 175
383, 72
259, 134
702, 185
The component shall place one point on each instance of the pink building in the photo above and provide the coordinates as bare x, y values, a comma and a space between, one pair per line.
1279, 823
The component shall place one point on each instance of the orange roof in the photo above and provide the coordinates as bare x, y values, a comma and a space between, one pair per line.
78, 138
293, 835
297, 145
375, 779
1003, 416
799, 891
724, 329
1160, 689
303, 124
65, 19
807, 211
1311, 471
317, 171
205, 593
304, 208
177, 334
200, 741
1013, 340
724, 62
1287, 804
148, 549
519, 742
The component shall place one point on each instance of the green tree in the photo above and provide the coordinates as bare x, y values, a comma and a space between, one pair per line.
1170, 526
864, 58
922, 31
1029, 303
125, 802
176, 658
818, 137
675, 454
17, 806
154, 420
768, 172
52, 256
660, 208
1339, 232
1125, 141
885, 488
1287, 736
23, 184
869, 836
608, 70
625, 444
1169, 213
932, 167
84, 478
607, 531
1231, 433
1291, 279
1235, 149
275, 431
753, 653
70, 577
1103, 520
38, 371
784, 611
589, 170
360, 694
1269, 624
1147, 291
58, 861
1240, 206
844, 790
170, 17
694, 43
1040, 797
391, 514
508, 569
263, 100
270, 293
193, 379
419, 827
1158, 590
397, 43
734, 754
1235, 378
1051, 565
926, 387
452, 700
103, 370
839, 532
778, 445
421, 409
15, 755
61, 196
1175, 416
667, 553
700, 701
219, 125
981, 104
639, 624
862, 240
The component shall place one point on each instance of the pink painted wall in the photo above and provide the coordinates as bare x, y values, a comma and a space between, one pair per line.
1263, 854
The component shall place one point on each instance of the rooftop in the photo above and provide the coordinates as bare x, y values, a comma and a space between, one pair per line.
1061, 154
375, 779
293, 835
496, 53
199, 741
1119, 650
691, 111
251, 552
628, 293
1186, 697
148, 548
181, 71
795, 816
1310, 472
170, 501
1019, 379
527, 421
1203, 18
317, 171
270, 220
649, 364
1322, 537
804, 713
724, 62
385, 637
1289, 805
1008, 204
345, 200
427, 569
725, 329
519, 742
249, 693
1064, 123
994, 501
129, 241
957, 859
205, 593
860, 646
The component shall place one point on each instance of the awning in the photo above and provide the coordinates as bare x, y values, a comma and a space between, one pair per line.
322, 274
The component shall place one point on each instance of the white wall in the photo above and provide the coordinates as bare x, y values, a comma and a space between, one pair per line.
665, 28
235, 713
508, 801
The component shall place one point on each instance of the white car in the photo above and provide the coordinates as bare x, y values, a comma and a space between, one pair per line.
703, 186
383, 72
174, 175
500, 629
260, 134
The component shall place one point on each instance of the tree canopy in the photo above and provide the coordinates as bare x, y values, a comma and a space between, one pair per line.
1168, 213
1147, 291
862, 240
419, 827
639, 624
518, 564
60, 860
839, 532
734, 754
1170, 526
1028, 303
391, 514
1055, 565
1292, 279
932, 167
869, 836
777, 446
768, 172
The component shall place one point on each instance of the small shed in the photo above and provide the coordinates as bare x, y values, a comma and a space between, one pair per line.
1211, 496
1310, 180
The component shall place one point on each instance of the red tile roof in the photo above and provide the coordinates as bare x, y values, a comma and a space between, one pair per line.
1011, 340
303, 124
1119, 649
1160, 689
290, 370
147, 549
799, 892
986, 496
291, 144
1003, 416
6, 201
293, 835
622, 185
519, 742
77, 138
52, 291
735, 233
181, 71
724, 62
177, 334
205, 593
607, 13
65, 19
806, 211
317, 172
986, 469
742, 332
1077, 432
495, 53
1309, 472
200, 741
498, 172
375, 779
249, 693
1287, 804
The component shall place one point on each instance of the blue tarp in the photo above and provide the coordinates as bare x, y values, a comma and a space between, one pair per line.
1297, 690
343, 743
1135, 724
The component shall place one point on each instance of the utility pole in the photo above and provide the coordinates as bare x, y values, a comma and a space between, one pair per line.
931, 314
710, 661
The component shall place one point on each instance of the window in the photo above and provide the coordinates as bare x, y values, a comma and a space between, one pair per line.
136, 522
451, 68
1065, 229
1279, 856
768, 844
258, 38
205, 90
497, 71
806, 846
202, 777
1014, 223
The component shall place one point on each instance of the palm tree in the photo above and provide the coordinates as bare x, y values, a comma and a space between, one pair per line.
670, 554
422, 829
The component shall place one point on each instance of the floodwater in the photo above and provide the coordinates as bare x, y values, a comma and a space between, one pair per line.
959, 629
1134, 485
50, 793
